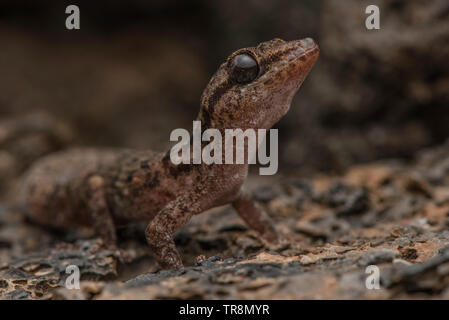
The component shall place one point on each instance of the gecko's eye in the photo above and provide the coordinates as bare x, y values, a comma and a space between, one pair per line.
243, 68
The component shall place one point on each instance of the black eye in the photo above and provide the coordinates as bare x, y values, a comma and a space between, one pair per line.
243, 68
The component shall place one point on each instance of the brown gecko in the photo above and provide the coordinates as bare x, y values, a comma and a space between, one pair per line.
103, 188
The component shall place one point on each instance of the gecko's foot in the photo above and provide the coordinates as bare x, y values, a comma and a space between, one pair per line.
170, 261
171, 266
200, 259
279, 244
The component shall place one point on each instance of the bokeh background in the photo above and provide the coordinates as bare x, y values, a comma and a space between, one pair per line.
136, 70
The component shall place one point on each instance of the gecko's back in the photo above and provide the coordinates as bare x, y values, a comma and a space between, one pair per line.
54, 191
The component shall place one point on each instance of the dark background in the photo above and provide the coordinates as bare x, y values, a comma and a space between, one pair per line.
136, 70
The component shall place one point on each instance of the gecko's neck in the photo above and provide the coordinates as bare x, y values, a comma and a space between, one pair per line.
232, 140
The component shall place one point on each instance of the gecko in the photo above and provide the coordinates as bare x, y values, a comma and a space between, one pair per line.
103, 188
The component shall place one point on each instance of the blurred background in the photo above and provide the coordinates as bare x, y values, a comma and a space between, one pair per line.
136, 70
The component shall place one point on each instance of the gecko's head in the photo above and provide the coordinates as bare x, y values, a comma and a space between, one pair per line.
255, 86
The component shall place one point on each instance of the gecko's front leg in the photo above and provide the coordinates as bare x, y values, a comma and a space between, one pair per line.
256, 218
159, 233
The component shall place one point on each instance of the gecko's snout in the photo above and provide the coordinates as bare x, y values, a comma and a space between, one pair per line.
287, 63
308, 43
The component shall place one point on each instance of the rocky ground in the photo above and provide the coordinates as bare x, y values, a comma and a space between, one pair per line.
133, 73
389, 214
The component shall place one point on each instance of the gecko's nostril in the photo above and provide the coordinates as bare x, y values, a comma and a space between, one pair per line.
308, 43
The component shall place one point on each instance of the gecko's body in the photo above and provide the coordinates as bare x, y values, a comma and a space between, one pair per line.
106, 187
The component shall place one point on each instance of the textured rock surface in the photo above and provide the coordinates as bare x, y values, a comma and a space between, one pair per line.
391, 215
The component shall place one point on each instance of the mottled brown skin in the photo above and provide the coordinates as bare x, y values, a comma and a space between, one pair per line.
106, 187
